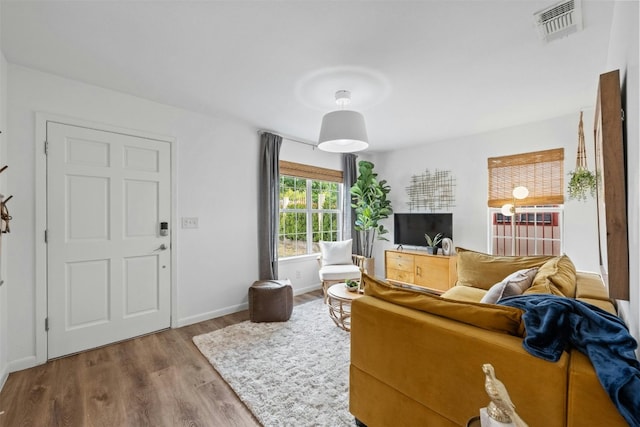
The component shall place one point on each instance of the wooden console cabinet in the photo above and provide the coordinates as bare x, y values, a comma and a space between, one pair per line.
435, 272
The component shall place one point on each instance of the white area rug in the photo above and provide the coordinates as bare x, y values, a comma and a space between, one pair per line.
293, 373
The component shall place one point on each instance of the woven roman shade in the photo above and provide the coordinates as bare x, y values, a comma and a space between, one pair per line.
542, 172
310, 172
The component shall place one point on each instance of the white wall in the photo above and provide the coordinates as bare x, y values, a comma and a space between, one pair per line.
466, 158
623, 55
217, 182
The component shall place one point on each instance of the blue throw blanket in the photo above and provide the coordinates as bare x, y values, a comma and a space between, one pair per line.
553, 323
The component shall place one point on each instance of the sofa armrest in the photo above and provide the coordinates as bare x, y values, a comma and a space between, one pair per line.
588, 402
438, 363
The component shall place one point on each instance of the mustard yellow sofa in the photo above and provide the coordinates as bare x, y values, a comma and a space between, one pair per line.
416, 358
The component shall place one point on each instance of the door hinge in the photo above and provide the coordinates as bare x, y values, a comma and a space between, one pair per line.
46, 147
46, 236
46, 324
622, 113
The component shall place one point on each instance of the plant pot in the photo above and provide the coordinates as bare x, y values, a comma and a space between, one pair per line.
432, 250
369, 266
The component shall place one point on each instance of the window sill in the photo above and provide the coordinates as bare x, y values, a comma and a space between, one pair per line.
299, 258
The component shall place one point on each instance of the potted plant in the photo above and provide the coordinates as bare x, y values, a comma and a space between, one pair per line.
432, 244
369, 199
582, 181
352, 285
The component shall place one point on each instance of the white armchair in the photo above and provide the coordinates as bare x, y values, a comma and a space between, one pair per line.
338, 264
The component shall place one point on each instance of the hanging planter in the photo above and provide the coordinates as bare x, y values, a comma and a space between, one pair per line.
583, 182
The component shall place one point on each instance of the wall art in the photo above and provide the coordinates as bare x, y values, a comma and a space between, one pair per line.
432, 191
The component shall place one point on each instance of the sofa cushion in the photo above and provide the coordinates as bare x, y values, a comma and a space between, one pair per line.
339, 272
336, 253
605, 305
590, 285
514, 284
464, 293
492, 317
482, 270
557, 277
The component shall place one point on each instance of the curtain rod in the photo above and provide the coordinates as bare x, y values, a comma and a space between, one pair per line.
289, 138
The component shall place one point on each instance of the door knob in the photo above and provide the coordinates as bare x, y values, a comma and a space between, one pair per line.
162, 247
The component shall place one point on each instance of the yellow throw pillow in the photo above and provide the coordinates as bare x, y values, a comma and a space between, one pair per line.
464, 293
496, 318
482, 270
557, 277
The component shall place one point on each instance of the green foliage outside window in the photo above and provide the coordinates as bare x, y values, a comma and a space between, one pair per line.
322, 215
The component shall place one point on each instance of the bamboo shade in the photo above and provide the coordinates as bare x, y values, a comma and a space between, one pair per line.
542, 172
309, 172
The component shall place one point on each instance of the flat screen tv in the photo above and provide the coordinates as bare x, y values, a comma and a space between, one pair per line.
409, 228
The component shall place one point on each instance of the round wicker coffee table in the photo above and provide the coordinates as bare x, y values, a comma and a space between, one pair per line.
339, 302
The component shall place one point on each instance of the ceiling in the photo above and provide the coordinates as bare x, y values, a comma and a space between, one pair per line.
419, 71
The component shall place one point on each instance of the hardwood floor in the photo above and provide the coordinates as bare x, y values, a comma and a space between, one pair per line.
156, 380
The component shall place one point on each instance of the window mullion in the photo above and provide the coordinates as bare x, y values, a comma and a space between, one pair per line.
309, 217
340, 209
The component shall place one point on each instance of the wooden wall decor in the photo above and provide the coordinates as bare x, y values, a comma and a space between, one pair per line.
432, 191
612, 193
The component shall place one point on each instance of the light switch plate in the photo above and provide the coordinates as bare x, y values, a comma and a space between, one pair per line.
191, 222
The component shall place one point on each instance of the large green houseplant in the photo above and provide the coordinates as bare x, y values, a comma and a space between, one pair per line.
369, 197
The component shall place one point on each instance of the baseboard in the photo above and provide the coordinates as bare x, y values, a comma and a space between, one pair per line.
300, 291
24, 363
233, 309
211, 315
4, 374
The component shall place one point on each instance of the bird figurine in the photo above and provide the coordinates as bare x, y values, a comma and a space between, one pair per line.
501, 408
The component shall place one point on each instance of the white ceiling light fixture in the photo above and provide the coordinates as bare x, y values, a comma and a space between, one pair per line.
343, 131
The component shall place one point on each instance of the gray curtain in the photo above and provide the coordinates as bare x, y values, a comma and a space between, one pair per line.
268, 206
349, 175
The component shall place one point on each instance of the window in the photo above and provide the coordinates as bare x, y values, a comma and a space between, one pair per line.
538, 231
310, 208
537, 227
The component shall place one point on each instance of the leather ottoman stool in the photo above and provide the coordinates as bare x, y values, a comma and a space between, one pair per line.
270, 301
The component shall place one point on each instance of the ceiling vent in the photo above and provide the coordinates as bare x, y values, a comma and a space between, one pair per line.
559, 20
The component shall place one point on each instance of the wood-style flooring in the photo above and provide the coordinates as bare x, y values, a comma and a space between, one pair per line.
155, 380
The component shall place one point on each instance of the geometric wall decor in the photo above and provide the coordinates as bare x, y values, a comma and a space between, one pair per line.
432, 191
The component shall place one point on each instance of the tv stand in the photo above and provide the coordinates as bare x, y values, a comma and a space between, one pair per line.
434, 272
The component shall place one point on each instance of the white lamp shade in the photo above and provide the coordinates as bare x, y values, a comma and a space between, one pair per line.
507, 210
343, 131
520, 192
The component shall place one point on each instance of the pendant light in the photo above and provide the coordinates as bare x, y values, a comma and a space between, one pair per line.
343, 131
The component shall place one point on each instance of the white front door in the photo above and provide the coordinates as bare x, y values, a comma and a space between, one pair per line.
108, 264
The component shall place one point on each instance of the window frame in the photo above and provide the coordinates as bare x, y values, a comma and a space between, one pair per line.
311, 174
557, 220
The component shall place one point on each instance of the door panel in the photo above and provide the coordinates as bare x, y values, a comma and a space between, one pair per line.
87, 214
108, 278
142, 293
87, 293
141, 208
